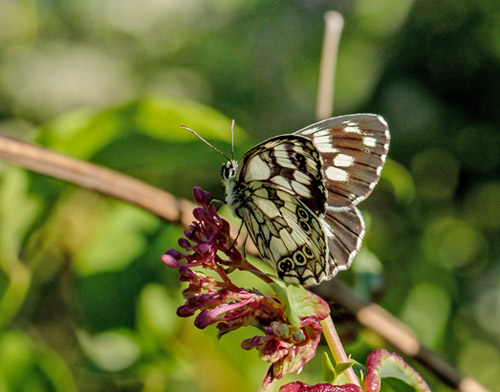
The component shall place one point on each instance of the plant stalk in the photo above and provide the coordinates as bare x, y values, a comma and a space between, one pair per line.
336, 348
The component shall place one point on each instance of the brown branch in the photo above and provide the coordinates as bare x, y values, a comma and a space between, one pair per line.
98, 178
334, 25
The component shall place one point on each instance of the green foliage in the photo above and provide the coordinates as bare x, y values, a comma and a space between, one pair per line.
85, 303
382, 365
299, 302
27, 365
334, 374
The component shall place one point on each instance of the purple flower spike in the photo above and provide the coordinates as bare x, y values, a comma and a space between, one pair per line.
208, 245
201, 197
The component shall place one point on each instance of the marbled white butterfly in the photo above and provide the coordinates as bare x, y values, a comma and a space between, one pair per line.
297, 194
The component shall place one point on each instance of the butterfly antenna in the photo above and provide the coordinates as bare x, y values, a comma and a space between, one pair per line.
205, 141
232, 138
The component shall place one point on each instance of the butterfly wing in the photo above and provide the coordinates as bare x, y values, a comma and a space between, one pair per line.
353, 149
344, 229
321, 173
290, 163
287, 233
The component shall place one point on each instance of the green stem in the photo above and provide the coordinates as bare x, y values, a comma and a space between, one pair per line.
257, 272
338, 352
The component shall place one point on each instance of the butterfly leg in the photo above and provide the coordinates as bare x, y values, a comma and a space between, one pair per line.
213, 201
236, 239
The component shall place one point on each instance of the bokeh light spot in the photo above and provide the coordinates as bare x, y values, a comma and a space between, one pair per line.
435, 173
488, 311
452, 242
482, 360
426, 311
483, 205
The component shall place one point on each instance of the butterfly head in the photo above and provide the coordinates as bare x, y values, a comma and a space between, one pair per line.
228, 170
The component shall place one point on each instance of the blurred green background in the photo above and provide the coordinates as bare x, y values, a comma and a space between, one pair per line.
85, 302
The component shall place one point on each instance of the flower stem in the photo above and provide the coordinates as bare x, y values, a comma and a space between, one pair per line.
338, 352
257, 272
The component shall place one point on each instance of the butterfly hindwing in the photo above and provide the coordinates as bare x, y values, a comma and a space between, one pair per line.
287, 233
344, 230
353, 149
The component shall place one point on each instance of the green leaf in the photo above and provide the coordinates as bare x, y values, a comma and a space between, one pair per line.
18, 210
305, 304
300, 302
335, 374
156, 312
383, 364
82, 133
329, 374
112, 350
426, 310
281, 290
342, 367
161, 117
29, 366
120, 224
400, 180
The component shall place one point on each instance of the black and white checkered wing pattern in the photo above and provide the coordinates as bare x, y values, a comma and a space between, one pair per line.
290, 163
287, 233
353, 149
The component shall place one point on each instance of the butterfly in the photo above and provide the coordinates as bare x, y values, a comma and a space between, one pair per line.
297, 194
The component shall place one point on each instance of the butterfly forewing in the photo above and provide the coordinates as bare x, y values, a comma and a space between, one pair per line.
353, 149
290, 163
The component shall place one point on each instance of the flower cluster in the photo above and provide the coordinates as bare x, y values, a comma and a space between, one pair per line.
288, 348
289, 320
286, 344
298, 386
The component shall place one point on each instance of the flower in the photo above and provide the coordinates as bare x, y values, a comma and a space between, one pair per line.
287, 343
298, 386
286, 347
204, 238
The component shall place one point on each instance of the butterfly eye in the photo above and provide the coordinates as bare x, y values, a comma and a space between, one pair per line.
299, 258
227, 170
